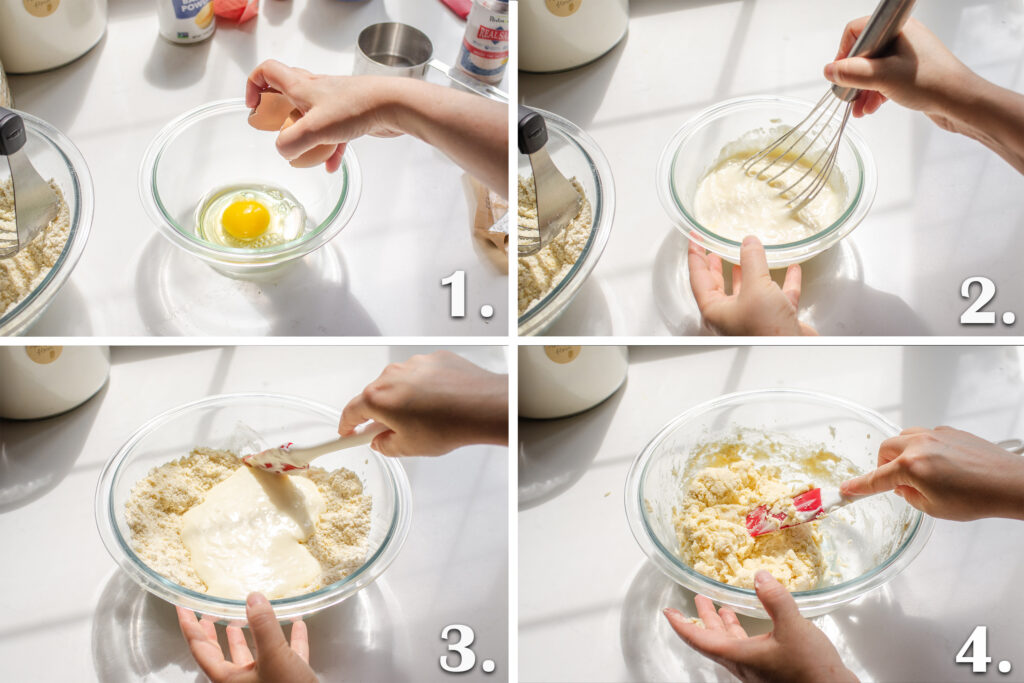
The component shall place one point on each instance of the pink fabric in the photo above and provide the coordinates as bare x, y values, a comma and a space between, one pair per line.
236, 10
460, 7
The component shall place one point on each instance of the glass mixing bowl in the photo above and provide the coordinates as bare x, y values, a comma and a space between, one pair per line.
213, 422
212, 147
56, 157
576, 155
697, 145
866, 543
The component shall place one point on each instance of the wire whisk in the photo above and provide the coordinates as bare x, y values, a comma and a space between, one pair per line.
824, 122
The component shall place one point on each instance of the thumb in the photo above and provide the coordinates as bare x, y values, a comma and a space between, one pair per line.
855, 72
300, 137
777, 601
386, 443
753, 260
266, 632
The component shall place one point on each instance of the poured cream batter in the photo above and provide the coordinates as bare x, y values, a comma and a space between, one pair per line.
209, 523
248, 533
714, 540
734, 204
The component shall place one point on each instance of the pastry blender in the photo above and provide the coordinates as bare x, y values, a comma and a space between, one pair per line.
35, 202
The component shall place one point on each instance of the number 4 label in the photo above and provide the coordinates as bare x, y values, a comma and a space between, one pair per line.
978, 644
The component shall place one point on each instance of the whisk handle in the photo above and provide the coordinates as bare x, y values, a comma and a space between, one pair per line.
886, 21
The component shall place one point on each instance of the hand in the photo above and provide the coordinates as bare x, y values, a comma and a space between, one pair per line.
471, 130
757, 306
432, 404
275, 661
795, 650
918, 72
335, 109
948, 474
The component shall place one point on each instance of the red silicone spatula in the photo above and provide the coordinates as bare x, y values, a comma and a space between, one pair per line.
809, 505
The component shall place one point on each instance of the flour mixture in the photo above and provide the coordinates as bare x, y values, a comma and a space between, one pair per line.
216, 526
541, 272
22, 273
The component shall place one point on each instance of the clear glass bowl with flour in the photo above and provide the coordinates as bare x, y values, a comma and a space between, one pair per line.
57, 159
734, 130
862, 546
577, 156
213, 422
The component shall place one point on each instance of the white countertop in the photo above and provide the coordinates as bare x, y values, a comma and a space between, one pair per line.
947, 208
590, 602
67, 613
381, 275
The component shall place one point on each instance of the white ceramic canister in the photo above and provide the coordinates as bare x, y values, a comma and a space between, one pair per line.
41, 381
557, 35
36, 35
556, 381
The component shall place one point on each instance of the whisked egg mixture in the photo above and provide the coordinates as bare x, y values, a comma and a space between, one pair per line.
734, 201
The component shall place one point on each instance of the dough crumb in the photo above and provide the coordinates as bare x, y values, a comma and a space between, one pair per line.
714, 539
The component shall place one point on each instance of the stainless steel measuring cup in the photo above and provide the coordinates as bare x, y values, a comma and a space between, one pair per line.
396, 49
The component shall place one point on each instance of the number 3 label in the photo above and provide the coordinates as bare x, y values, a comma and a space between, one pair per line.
467, 659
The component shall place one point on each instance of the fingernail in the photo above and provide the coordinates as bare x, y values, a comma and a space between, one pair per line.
749, 240
830, 70
762, 576
256, 600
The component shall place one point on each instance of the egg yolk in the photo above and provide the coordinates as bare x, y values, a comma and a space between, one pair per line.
245, 220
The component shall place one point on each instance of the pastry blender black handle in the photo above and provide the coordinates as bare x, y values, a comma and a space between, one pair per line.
12, 132
533, 132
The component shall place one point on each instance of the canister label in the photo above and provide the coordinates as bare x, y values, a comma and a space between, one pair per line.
563, 8
41, 8
43, 355
562, 354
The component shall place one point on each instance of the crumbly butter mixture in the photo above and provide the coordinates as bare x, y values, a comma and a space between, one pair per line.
714, 540
22, 273
734, 203
158, 507
541, 272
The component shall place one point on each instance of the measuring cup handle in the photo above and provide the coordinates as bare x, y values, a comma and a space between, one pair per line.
456, 76
12, 132
1012, 445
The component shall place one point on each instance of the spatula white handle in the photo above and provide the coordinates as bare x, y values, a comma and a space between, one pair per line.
363, 435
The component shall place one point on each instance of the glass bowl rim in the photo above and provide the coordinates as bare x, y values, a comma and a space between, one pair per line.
812, 601
17, 319
120, 549
538, 317
337, 218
